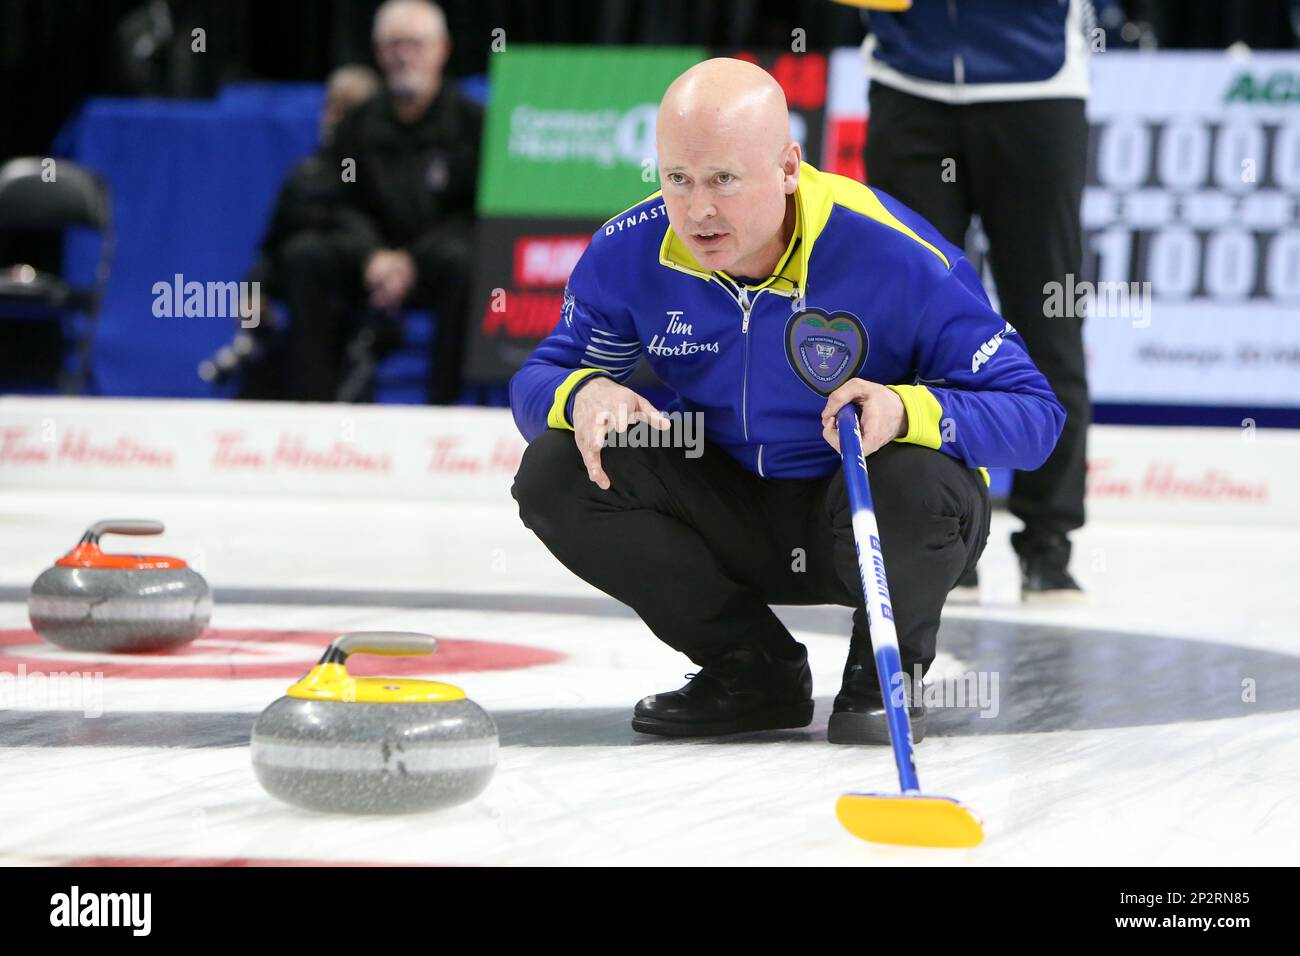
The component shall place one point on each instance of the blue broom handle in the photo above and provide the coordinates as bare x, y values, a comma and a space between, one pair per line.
880, 614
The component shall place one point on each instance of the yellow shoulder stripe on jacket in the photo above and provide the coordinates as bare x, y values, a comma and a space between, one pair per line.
873, 207
555, 417
924, 417
821, 191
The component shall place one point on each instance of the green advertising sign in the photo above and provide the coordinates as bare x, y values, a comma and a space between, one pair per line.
1280, 86
570, 130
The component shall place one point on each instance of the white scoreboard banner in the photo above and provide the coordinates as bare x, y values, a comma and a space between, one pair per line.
1191, 215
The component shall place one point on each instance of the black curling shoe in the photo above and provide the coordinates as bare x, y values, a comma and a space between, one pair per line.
859, 716
1043, 579
1044, 567
742, 690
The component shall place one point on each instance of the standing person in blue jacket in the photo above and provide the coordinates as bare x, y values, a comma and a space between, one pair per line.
767, 294
977, 106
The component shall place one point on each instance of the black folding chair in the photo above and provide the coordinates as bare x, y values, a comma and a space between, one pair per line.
52, 196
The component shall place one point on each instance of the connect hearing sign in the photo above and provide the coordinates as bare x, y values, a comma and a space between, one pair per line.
570, 131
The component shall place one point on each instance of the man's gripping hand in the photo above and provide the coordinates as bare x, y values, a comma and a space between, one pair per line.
600, 404
881, 415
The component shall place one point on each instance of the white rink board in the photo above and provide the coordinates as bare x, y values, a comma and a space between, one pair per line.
471, 454
258, 448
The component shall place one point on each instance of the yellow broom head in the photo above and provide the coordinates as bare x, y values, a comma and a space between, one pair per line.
909, 820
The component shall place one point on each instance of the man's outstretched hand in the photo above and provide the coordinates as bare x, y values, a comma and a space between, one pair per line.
602, 403
881, 415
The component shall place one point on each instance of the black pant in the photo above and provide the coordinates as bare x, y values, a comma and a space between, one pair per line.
1020, 167
699, 547
321, 274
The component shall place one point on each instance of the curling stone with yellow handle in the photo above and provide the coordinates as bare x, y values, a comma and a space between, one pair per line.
344, 744
92, 601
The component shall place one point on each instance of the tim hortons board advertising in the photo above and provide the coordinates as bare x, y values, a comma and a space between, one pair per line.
387, 451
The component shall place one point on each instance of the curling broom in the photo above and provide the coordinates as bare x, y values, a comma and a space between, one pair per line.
909, 818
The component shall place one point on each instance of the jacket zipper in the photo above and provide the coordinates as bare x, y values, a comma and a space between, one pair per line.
745, 307
741, 297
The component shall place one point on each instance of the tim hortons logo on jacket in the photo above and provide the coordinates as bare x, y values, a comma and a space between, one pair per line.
659, 343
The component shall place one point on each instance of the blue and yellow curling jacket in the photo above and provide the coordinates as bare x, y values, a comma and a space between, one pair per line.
866, 289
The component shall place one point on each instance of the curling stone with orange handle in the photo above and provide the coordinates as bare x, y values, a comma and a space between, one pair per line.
92, 601
344, 744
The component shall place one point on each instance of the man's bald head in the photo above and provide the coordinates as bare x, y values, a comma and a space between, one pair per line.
728, 165
725, 98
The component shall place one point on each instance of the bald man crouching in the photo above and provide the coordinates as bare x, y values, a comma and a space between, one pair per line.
766, 295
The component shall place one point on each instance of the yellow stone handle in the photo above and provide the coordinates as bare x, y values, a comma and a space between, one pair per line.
385, 643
